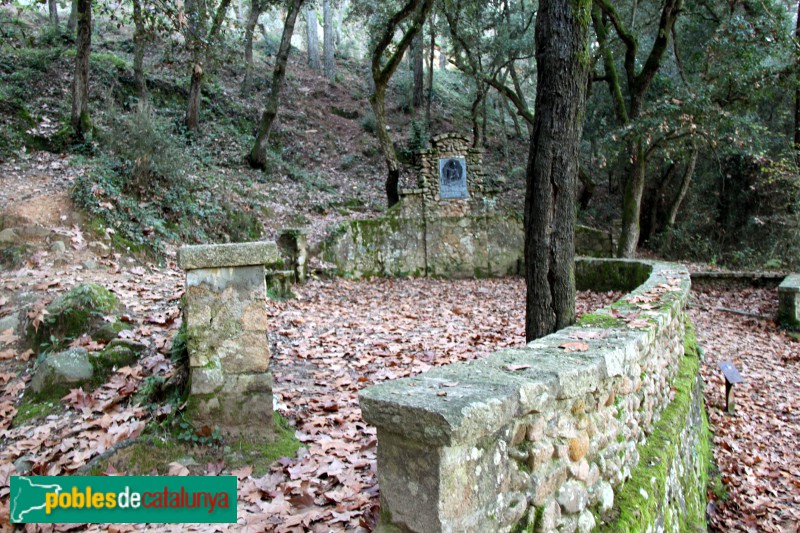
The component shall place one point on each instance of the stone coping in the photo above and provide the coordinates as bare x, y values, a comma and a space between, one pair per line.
228, 255
790, 284
464, 402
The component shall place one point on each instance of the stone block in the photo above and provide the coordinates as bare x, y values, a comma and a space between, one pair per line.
228, 255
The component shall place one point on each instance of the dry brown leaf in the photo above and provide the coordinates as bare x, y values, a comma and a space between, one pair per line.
577, 346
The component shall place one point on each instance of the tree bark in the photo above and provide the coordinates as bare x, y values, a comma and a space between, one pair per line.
72, 22
139, 38
382, 71
258, 154
312, 37
562, 57
249, 32
417, 61
201, 57
475, 113
52, 6
632, 201
80, 119
675, 206
442, 58
797, 90
329, 63
429, 98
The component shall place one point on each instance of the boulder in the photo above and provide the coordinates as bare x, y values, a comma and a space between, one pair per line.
74, 313
70, 367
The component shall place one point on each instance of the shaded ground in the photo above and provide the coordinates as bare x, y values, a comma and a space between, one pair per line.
756, 449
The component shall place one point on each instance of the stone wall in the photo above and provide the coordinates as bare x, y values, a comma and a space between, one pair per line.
426, 234
559, 435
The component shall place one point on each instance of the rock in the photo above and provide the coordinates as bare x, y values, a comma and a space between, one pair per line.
137, 347
100, 248
114, 357
551, 516
34, 232
573, 497
8, 236
110, 330
74, 313
24, 464
58, 247
90, 265
9, 322
604, 495
586, 522
69, 367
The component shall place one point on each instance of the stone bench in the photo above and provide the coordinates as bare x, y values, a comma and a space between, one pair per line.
789, 301
542, 437
225, 315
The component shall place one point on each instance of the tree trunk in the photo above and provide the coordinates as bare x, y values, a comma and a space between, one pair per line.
442, 58
199, 62
328, 40
658, 199
80, 119
258, 155
52, 6
632, 201
382, 71
249, 32
312, 37
797, 90
139, 37
429, 98
675, 206
72, 22
475, 114
240, 11
417, 55
562, 57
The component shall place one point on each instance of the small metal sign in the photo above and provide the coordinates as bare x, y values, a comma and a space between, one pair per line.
453, 178
732, 377
731, 373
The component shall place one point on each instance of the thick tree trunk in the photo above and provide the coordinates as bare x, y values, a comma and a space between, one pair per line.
195, 92
417, 60
562, 57
258, 154
52, 6
387, 147
442, 58
249, 32
328, 45
658, 199
632, 201
139, 37
429, 97
312, 37
80, 119
72, 22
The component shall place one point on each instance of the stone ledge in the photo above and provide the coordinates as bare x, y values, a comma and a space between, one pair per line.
228, 255
790, 284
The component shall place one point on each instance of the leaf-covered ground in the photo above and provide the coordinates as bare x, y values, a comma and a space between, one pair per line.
757, 450
339, 336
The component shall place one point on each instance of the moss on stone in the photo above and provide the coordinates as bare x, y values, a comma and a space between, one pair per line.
632, 510
72, 314
261, 454
600, 320
30, 411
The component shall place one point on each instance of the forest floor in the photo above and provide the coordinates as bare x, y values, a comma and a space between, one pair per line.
339, 336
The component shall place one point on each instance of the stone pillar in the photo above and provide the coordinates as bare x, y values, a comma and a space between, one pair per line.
226, 333
789, 302
293, 243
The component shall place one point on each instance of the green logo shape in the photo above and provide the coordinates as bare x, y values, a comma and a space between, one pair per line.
123, 499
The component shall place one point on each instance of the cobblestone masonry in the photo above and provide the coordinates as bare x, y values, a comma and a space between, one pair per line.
789, 301
538, 437
226, 334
